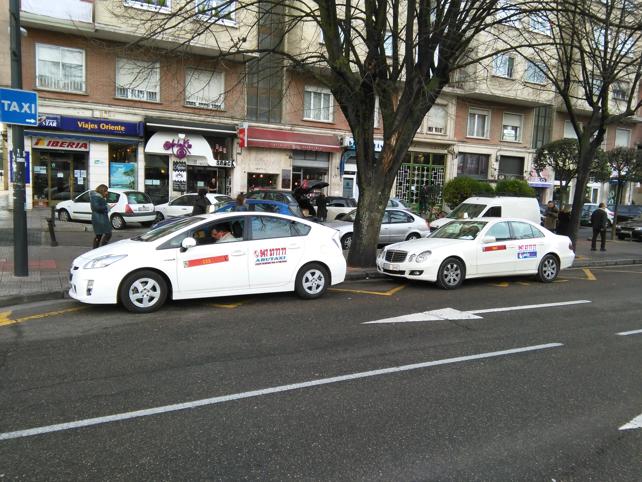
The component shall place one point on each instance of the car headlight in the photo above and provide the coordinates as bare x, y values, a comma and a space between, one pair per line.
104, 261
421, 257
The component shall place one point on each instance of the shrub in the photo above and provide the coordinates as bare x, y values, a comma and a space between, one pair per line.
514, 187
461, 188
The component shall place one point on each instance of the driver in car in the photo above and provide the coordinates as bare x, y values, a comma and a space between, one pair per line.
221, 234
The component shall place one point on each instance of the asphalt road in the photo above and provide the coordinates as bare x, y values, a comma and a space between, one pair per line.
275, 388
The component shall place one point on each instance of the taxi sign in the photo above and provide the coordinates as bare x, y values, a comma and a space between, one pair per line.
19, 107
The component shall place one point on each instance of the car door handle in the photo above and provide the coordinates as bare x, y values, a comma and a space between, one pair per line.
238, 252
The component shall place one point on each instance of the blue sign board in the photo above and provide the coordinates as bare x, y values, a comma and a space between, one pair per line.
19, 107
27, 168
91, 125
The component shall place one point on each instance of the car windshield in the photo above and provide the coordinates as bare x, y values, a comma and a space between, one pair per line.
134, 197
170, 228
466, 211
350, 217
459, 230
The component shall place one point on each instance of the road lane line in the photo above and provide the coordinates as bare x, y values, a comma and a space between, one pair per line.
266, 391
633, 424
528, 307
627, 333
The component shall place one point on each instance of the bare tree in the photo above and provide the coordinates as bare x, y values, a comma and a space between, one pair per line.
399, 52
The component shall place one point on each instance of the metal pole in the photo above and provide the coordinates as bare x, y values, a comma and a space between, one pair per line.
20, 245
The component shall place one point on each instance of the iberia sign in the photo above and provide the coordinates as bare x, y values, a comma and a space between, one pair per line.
60, 144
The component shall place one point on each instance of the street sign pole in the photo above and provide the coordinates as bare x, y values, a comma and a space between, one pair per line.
20, 245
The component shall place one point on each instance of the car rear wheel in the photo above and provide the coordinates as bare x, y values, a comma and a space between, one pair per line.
451, 274
312, 281
346, 241
159, 217
117, 221
63, 215
413, 236
548, 269
143, 292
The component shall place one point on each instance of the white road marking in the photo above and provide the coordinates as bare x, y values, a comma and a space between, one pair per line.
266, 391
453, 314
633, 424
627, 333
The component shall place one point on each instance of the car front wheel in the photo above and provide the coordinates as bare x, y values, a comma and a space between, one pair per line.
312, 281
451, 274
548, 269
143, 292
413, 236
346, 241
117, 221
159, 216
63, 215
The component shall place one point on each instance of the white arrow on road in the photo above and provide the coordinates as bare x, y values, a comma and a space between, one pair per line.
633, 424
453, 314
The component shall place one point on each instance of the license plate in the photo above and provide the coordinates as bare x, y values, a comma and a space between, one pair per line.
144, 208
391, 267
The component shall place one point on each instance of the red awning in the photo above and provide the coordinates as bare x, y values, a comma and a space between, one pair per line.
276, 139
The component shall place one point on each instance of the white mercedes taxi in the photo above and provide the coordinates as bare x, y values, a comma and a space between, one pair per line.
220, 254
477, 248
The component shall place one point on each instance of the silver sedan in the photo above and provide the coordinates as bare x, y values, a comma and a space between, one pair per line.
397, 225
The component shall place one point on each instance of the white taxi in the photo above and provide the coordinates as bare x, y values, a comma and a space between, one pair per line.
220, 254
477, 248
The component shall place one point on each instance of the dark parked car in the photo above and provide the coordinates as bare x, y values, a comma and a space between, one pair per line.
630, 229
295, 199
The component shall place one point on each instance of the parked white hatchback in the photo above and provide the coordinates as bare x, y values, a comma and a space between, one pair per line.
478, 248
220, 254
183, 205
125, 206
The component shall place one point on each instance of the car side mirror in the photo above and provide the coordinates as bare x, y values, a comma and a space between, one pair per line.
489, 239
187, 243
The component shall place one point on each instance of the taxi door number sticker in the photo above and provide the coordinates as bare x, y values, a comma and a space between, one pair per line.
270, 256
500, 247
202, 261
525, 251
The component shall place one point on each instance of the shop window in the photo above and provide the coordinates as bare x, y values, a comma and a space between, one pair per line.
318, 104
138, 80
60, 68
204, 89
122, 165
473, 165
257, 180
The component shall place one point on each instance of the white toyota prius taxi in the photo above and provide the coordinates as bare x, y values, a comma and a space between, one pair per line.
478, 248
222, 254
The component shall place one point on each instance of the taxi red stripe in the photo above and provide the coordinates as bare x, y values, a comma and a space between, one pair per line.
204, 261
500, 247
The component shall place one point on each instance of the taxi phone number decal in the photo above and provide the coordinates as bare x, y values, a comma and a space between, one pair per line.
202, 261
270, 256
525, 251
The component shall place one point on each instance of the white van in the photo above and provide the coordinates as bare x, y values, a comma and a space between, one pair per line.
493, 207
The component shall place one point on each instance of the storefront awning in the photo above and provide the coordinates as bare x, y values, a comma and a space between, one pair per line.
541, 184
277, 139
190, 146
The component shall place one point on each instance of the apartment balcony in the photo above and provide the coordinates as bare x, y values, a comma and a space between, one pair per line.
58, 15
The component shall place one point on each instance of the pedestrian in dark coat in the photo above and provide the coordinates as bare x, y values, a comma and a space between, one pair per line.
240, 204
100, 216
423, 198
322, 207
564, 222
599, 221
201, 204
550, 216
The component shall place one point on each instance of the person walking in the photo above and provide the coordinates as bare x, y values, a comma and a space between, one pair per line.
322, 207
564, 221
201, 204
100, 216
599, 221
240, 204
550, 216
423, 198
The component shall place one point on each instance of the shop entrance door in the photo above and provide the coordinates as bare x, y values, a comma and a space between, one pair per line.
58, 176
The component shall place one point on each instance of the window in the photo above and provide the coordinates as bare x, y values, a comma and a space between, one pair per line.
512, 128
525, 231
535, 73
377, 113
188, 200
397, 217
317, 104
622, 137
60, 68
220, 11
596, 86
507, 13
164, 6
266, 227
137, 80
503, 65
478, 123
539, 23
204, 89
494, 212
500, 232
569, 132
436, 120
387, 44
621, 91
473, 165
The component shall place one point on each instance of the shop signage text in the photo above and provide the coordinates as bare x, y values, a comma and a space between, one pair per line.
98, 126
65, 145
350, 144
224, 162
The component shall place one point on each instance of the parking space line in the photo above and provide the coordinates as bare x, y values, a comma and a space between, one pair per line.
589, 274
266, 391
627, 333
5, 320
229, 306
390, 292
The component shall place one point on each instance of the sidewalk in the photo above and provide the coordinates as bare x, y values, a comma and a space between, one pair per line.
48, 266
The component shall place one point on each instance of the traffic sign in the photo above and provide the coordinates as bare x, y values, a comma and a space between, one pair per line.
19, 107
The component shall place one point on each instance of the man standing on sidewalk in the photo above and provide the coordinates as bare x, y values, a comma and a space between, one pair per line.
599, 220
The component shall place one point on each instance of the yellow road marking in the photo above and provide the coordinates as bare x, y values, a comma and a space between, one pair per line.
5, 320
229, 306
589, 275
560, 281
503, 284
390, 292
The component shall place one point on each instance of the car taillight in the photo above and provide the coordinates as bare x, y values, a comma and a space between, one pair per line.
128, 209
